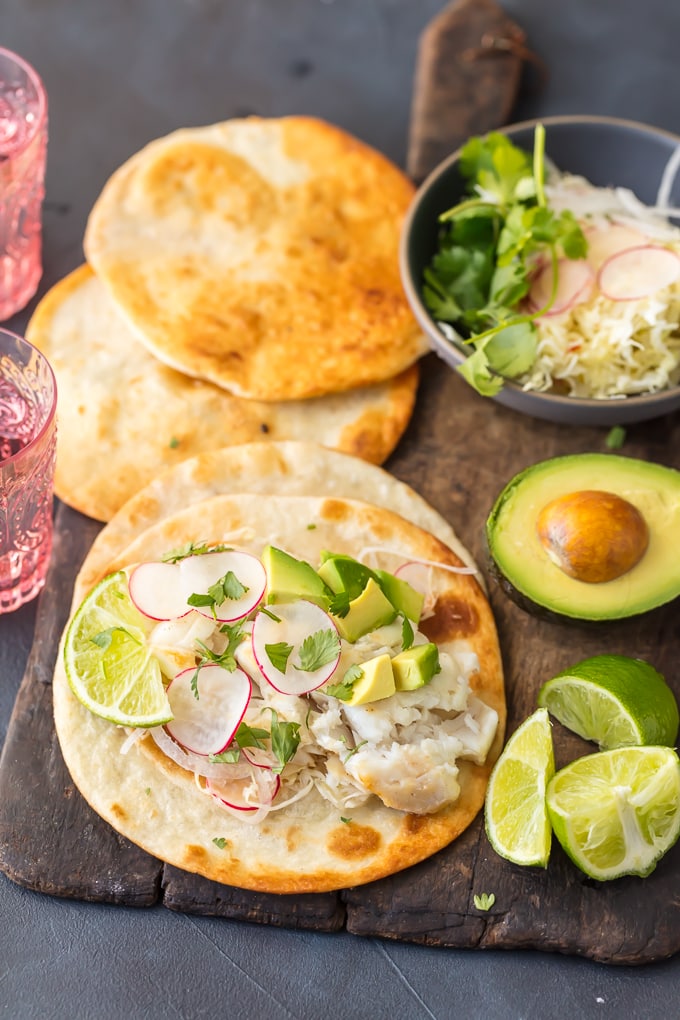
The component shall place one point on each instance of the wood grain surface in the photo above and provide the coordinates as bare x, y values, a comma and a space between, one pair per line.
458, 452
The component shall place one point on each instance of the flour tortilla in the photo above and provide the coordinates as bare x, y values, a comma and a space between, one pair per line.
304, 847
124, 416
261, 255
284, 468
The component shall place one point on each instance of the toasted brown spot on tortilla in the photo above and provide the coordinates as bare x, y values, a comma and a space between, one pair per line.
293, 837
195, 857
118, 812
334, 510
350, 840
453, 618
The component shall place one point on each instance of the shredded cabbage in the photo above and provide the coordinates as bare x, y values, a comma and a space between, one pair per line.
602, 348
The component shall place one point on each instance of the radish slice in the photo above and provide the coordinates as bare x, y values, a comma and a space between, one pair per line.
638, 272
238, 794
156, 592
199, 573
602, 244
196, 763
418, 575
207, 724
296, 622
574, 282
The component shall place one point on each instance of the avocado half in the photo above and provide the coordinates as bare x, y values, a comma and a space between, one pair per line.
526, 572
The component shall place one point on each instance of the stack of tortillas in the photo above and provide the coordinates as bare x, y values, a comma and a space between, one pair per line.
242, 283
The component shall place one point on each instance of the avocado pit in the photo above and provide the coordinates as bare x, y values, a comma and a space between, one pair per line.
592, 535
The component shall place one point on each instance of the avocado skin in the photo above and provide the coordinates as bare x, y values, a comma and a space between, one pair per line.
539, 605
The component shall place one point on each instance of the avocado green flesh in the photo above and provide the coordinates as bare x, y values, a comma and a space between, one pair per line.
344, 574
522, 562
289, 578
368, 612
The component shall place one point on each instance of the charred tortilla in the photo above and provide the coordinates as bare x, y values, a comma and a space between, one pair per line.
124, 416
288, 468
306, 846
261, 255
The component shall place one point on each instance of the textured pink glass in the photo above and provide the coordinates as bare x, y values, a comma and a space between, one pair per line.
28, 435
23, 148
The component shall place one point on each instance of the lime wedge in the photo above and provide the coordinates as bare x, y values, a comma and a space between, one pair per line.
617, 812
108, 664
517, 821
614, 701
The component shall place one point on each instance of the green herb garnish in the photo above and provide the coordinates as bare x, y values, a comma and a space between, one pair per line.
225, 659
227, 587
104, 638
354, 751
192, 549
488, 246
268, 612
318, 650
285, 737
616, 437
278, 655
484, 901
220, 842
406, 633
343, 690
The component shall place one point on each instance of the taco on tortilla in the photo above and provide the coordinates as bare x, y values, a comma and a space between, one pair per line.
329, 692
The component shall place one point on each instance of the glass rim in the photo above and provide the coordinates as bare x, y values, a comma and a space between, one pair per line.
41, 93
49, 420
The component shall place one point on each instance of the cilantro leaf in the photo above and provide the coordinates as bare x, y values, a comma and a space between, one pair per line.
192, 549
487, 249
227, 587
343, 690
104, 638
406, 633
285, 737
318, 650
339, 604
278, 655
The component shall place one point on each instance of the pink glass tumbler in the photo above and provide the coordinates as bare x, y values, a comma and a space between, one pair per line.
28, 435
23, 148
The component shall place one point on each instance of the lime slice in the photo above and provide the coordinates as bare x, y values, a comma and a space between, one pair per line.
517, 821
108, 663
617, 812
614, 701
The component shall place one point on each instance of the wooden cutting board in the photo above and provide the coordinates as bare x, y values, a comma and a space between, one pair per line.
458, 452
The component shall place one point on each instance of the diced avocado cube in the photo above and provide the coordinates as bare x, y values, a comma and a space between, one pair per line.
415, 667
405, 599
289, 579
344, 574
375, 683
367, 612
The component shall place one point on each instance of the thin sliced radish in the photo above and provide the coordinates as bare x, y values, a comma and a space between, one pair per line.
207, 724
200, 573
295, 621
418, 575
605, 242
238, 793
638, 272
575, 280
156, 591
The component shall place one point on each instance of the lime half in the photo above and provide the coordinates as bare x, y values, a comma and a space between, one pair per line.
108, 664
617, 812
517, 822
614, 701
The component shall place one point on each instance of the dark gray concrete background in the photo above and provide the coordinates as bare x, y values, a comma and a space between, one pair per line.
118, 75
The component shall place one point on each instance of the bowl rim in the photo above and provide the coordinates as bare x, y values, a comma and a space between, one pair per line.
428, 323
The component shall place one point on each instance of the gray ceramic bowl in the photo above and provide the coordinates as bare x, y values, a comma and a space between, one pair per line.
606, 151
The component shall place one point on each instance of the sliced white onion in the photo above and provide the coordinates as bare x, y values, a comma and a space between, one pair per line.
369, 549
236, 795
199, 573
261, 757
638, 272
195, 763
132, 738
156, 591
207, 724
295, 622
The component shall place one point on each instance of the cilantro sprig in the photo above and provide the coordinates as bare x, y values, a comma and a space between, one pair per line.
193, 549
489, 245
226, 659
